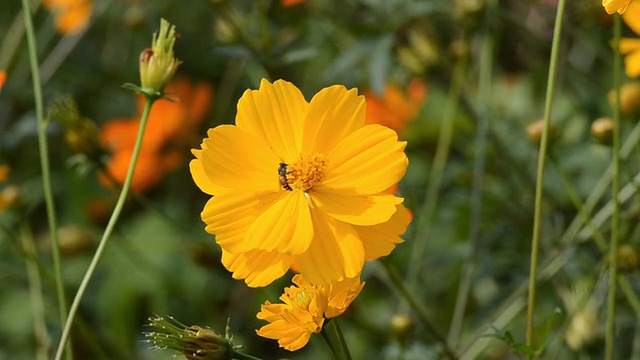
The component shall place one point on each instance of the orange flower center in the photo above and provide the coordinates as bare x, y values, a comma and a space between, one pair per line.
302, 299
307, 172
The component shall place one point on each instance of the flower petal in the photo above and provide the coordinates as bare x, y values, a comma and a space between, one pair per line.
284, 227
356, 210
368, 161
334, 113
336, 251
380, 240
236, 159
200, 177
229, 215
632, 64
257, 268
275, 113
632, 16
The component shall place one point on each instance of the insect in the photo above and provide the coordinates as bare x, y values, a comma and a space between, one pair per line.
282, 175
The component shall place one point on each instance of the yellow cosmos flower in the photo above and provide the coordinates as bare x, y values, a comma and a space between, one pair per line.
630, 47
304, 182
619, 6
304, 310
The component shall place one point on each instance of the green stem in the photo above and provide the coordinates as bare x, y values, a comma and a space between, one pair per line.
333, 336
537, 219
615, 188
35, 293
243, 356
484, 95
109, 229
417, 307
44, 163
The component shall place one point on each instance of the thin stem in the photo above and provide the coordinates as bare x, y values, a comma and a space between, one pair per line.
332, 334
615, 188
417, 307
108, 230
35, 293
243, 356
537, 219
44, 163
484, 93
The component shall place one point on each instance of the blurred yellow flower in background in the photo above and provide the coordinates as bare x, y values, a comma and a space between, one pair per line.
171, 128
304, 182
71, 16
305, 308
619, 6
630, 47
395, 108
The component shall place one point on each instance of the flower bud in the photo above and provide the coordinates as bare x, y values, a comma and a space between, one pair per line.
628, 258
602, 129
157, 64
401, 327
534, 131
629, 98
194, 342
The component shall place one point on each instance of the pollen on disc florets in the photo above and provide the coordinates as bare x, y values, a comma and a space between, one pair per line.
307, 172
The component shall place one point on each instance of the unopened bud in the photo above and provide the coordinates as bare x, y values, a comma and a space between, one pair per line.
534, 131
602, 129
629, 98
401, 327
157, 64
194, 342
628, 258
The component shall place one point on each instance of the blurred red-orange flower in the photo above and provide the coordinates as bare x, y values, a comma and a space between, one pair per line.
3, 77
172, 127
395, 108
71, 16
290, 3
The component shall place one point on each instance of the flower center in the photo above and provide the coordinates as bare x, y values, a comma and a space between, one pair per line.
302, 299
306, 172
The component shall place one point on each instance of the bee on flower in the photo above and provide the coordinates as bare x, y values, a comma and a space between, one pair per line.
338, 212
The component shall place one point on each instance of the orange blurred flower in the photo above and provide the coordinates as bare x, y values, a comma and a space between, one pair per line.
71, 16
290, 3
394, 109
172, 127
305, 308
3, 77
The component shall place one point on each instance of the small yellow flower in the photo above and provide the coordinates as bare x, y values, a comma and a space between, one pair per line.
305, 308
630, 47
304, 182
619, 6
157, 64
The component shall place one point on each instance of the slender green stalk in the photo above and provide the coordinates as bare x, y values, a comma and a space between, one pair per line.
425, 217
417, 307
484, 95
35, 293
537, 219
243, 356
44, 163
108, 230
615, 188
333, 336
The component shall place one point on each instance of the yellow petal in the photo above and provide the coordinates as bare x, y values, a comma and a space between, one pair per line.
284, 227
257, 268
336, 251
200, 177
368, 161
611, 6
236, 159
628, 45
358, 209
334, 113
632, 16
275, 112
632, 64
380, 240
229, 215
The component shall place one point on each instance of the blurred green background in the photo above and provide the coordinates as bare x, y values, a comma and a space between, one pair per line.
484, 64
